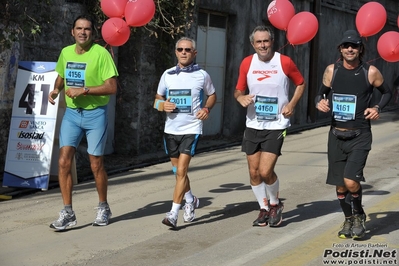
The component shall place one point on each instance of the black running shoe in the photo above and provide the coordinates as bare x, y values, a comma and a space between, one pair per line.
346, 229
275, 214
262, 219
358, 228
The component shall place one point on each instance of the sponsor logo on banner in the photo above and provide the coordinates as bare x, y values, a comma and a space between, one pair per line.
23, 124
33, 124
30, 146
30, 135
37, 124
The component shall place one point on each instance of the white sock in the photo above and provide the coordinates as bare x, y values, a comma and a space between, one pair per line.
189, 196
260, 194
272, 191
175, 208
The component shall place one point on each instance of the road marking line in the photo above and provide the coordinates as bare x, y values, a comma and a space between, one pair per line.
314, 248
317, 245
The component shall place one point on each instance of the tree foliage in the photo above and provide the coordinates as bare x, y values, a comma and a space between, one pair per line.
26, 18
21, 18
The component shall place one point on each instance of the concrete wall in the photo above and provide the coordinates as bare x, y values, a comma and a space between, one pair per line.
242, 19
339, 16
334, 18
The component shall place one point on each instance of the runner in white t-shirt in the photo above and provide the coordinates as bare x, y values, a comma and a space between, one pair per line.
186, 93
266, 74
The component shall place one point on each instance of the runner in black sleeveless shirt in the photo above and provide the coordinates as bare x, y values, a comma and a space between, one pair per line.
346, 91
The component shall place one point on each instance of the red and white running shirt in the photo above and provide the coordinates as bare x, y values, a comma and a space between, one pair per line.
269, 80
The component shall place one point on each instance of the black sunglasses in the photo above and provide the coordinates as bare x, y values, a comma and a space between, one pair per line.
187, 50
348, 44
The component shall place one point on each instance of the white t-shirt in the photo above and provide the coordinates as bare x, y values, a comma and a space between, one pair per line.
187, 91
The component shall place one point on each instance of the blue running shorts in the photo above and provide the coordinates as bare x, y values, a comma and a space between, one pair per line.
79, 122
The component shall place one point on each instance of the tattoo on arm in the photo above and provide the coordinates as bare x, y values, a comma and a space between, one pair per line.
325, 77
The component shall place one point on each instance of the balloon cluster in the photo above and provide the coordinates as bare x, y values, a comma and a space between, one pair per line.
370, 19
122, 15
300, 27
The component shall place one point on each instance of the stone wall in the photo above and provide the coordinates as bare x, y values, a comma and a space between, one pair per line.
138, 126
8, 74
54, 36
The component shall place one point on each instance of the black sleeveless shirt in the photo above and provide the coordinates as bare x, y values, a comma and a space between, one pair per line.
353, 82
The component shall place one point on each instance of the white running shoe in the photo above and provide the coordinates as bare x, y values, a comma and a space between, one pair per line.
170, 219
64, 221
189, 210
103, 216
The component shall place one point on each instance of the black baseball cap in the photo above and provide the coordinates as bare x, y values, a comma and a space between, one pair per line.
351, 36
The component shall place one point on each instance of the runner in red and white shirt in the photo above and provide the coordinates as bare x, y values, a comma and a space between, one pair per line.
266, 74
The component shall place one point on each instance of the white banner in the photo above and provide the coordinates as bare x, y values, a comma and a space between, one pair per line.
33, 124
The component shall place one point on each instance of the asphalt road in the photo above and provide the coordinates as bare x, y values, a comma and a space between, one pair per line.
222, 234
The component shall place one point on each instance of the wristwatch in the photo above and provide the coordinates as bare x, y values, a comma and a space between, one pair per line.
86, 91
207, 108
378, 108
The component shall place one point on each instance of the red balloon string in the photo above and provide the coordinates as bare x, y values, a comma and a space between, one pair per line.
283, 46
98, 40
373, 59
112, 52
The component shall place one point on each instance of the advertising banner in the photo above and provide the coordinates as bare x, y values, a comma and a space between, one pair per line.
33, 124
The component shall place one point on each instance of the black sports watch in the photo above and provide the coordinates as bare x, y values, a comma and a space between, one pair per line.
378, 108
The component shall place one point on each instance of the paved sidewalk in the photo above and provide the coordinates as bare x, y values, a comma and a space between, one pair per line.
119, 163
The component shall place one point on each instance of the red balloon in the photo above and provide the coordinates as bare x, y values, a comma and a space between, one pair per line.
370, 19
388, 46
115, 31
139, 12
279, 13
302, 28
113, 8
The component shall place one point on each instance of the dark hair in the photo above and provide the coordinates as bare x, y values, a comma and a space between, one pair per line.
88, 18
261, 28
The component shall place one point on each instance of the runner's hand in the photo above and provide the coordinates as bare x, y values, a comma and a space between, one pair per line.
52, 96
371, 113
245, 100
169, 106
